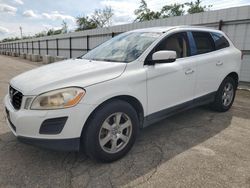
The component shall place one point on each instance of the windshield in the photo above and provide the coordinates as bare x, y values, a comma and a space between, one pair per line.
126, 47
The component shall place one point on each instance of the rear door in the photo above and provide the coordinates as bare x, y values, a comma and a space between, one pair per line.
209, 64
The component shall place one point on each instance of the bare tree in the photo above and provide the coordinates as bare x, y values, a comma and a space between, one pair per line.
64, 27
100, 18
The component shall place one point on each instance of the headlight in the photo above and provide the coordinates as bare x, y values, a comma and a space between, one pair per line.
61, 98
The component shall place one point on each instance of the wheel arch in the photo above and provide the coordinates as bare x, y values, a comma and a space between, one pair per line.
235, 76
134, 102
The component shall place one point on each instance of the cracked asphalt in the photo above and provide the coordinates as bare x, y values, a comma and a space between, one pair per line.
196, 148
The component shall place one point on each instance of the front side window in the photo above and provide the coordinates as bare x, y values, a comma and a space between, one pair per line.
220, 41
125, 48
204, 42
177, 42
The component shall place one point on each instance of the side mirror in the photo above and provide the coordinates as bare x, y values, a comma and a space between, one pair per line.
164, 56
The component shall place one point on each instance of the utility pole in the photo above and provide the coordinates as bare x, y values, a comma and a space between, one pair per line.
21, 31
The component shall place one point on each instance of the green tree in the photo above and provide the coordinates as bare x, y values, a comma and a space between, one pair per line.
196, 7
41, 34
54, 32
172, 10
10, 39
84, 23
143, 13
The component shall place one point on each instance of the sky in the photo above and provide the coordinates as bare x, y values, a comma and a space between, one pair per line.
41, 15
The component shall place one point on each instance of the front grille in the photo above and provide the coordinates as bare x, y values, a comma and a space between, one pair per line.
15, 98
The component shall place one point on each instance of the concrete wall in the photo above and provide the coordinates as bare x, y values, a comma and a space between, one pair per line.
236, 23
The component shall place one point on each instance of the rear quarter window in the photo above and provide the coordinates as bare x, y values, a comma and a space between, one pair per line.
220, 41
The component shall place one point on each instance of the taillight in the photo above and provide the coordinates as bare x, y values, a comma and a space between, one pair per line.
241, 55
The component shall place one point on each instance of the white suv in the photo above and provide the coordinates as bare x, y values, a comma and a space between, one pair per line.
99, 101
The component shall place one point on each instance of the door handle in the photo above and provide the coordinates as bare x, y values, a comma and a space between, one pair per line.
189, 71
219, 63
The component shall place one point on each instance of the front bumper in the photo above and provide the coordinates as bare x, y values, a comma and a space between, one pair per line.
26, 124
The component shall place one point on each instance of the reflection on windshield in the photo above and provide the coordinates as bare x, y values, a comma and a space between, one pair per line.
126, 47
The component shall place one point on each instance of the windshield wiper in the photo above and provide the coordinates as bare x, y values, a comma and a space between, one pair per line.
107, 60
110, 60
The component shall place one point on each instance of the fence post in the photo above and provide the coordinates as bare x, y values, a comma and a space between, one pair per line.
70, 48
220, 24
18, 45
32, 47
39, 52
87, 43
22, 47
27, 47
47, 48
57, 50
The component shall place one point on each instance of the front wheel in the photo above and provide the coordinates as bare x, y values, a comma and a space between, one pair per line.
111, 132
225, 95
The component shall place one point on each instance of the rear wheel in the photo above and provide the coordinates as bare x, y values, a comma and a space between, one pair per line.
225, 95
111, 131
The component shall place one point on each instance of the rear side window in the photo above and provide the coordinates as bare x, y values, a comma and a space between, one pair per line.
204, 42
220, 41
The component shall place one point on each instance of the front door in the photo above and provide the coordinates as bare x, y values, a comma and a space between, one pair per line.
171, 85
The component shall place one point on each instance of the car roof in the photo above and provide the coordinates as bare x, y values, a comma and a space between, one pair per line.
166, 29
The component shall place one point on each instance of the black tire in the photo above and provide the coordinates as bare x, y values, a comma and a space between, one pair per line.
218, 104
91, 136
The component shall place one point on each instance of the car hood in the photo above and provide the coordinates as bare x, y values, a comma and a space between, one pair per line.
73, 72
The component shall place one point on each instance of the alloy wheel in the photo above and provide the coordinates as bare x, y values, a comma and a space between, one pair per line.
115, 132
228, 94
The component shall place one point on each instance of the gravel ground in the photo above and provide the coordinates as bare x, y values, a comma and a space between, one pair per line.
197, 148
